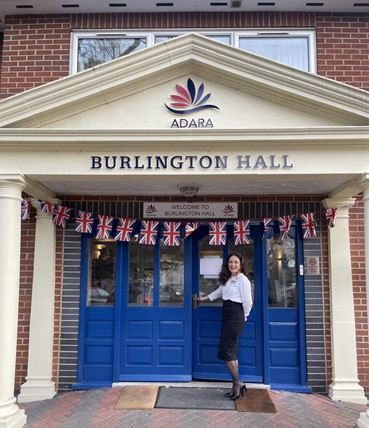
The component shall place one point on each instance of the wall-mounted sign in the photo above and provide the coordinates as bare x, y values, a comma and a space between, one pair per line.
190, 210
312, 265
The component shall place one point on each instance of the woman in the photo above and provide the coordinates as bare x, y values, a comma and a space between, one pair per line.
235, 290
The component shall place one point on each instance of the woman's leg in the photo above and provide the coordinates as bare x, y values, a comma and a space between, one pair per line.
232, 367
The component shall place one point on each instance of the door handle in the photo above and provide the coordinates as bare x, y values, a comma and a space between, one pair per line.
194, 301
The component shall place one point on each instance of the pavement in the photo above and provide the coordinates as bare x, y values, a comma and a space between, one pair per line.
96, 409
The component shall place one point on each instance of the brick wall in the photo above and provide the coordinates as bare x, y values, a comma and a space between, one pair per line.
36, 47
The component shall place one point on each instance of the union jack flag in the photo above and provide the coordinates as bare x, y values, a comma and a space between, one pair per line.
46, 207
25, 209
149, 232
172, 233
284, 225
266, 222
84, 222
61, 215
217, 233
308, 225
104, 227
191, 227
330, 215
241, 232
124, 229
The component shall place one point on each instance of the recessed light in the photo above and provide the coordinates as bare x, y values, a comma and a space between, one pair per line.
117, 4
218, 4
70, 5
24, 6
314, 4
236, 3
164, 4
266, 3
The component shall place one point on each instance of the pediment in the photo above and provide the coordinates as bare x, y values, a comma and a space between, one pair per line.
133, 92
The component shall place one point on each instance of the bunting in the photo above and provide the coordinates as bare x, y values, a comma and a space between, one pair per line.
124, 229
191, 227
330, 215
61, 215
25, 209
267, 223
172, 233
308, 225
84, 222
217, 233
104, 227
241, 232
149, 232
47, 207
284, 225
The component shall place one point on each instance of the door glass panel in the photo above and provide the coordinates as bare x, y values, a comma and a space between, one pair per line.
247, 251
210, 259
171, 289
101, 273
141, 274
282, 290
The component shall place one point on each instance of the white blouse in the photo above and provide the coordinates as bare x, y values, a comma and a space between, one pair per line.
237, 289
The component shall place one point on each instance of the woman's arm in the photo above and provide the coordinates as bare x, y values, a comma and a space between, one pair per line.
245, 291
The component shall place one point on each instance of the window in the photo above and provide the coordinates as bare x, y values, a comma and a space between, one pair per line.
101, 273
295, 48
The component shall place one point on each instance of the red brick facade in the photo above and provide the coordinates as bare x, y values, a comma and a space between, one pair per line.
36, 50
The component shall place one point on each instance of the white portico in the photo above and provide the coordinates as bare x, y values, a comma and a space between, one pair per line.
107, 131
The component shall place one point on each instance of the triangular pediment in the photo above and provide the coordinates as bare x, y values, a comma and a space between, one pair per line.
133, 92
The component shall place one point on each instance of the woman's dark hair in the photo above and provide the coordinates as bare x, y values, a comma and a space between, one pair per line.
225, 273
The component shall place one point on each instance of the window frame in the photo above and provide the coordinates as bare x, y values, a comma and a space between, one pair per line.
235, 35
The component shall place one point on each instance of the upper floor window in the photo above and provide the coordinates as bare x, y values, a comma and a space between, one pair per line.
295, 48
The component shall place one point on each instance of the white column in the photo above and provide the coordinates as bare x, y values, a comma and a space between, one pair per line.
10, 231
363, 421
345, 383
39, 384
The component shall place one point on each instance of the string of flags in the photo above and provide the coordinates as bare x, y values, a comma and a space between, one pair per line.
171, 230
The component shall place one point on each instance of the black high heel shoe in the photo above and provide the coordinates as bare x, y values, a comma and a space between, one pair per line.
242, 391
229, 393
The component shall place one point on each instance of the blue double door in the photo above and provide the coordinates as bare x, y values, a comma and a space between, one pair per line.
164, 334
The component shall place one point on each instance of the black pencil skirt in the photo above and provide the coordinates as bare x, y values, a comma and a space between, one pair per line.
233, 324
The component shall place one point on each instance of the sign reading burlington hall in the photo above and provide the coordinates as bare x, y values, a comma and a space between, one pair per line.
194, 210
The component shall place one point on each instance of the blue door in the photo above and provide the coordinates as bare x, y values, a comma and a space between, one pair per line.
207, 317
155, 325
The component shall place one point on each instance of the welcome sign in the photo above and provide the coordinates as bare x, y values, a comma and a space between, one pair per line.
193, 210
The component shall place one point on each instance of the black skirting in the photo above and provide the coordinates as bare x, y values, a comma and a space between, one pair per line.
233, 324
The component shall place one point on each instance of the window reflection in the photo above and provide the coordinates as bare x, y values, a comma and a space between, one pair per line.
282, 290
101, 273
141, 274
171, 275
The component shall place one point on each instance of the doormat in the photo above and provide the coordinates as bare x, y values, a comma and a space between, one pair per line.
256, 400
193, 398
137, 397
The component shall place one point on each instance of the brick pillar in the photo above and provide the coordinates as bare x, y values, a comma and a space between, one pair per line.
363, 421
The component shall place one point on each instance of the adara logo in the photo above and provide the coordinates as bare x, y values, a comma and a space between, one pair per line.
189, 100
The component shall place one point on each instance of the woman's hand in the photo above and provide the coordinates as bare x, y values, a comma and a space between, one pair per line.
202, 298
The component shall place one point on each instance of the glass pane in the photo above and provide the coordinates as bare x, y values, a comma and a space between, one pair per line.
171, 275
247, 251
282, 290
210, 259
141, 274
93, 51
293, 51
159, 39
101, 273
226, 39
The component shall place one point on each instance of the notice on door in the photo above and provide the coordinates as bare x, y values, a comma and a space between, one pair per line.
312, 265
210, 266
